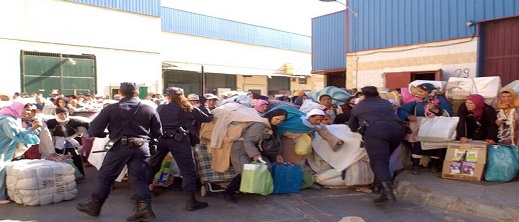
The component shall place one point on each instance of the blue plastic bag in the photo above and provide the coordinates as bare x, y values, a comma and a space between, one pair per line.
502, 163
288, 178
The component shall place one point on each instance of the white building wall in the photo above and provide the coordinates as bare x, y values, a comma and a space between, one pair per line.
126, 45
129, 46
369, 66
228, 56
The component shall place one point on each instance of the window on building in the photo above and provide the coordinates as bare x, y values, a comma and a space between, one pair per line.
278, 85
397, 80
213, 81
188, 80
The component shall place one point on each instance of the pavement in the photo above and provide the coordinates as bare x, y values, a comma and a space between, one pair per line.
425, 198
484, 199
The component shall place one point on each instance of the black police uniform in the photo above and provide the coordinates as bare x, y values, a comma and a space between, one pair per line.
175, 123
132, 149
382, 132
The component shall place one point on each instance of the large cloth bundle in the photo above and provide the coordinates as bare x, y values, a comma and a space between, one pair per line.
339, 96
359, 173
343, 157
394, 95
40, 182
513, 85
460, 88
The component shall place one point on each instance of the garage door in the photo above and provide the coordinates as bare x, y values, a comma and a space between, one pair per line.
501, 49
70, 74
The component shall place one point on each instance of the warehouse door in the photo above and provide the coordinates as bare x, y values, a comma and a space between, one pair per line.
70, 74
501, 49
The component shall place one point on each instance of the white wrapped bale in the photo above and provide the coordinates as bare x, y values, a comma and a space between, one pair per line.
40, 182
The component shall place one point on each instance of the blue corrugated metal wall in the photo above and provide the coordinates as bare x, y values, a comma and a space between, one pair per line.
189, 23
328, 41
146, 7
388, 23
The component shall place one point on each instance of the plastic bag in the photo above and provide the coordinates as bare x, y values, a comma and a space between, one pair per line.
303, 145
256, 178
288, 178
437, 129
502, 163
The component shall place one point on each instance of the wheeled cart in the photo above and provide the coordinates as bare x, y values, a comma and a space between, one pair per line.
208, 177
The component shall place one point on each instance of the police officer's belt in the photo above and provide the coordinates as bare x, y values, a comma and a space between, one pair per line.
132, 141
171, 133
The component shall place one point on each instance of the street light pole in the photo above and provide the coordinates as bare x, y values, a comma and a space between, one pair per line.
356, 57
347, 7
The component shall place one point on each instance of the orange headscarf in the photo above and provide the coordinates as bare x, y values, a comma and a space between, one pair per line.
515, 99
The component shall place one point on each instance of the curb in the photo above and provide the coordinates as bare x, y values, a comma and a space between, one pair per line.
425, 196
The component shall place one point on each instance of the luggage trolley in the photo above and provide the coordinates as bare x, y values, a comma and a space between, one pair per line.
206, 174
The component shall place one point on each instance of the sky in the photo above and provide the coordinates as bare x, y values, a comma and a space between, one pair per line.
287, 15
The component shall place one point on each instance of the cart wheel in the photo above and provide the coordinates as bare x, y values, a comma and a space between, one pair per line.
203, 191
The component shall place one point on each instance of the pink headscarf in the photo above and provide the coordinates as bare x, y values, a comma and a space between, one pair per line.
15, 110
479, 101
260, 103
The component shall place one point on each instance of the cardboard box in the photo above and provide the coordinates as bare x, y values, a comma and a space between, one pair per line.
458, 167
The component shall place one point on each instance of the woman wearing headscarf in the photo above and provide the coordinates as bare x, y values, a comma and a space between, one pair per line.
427, 104
301, 98
64, 131
247, 148
507, 105
261, 106
477, 121
11, 134
329, 108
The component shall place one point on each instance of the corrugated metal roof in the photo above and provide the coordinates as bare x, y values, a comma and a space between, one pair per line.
146, 7
189, 23
328, 41
382, 24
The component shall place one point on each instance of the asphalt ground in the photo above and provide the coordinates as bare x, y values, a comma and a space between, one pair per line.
308, 205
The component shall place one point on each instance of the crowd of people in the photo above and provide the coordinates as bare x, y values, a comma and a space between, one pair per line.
143, 132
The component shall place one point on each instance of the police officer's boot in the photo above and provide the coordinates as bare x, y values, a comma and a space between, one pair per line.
386, 193
376, 187
193, 204
143, 212
92, 207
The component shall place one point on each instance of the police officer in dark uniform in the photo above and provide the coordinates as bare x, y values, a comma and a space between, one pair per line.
178, 118
131, 125
382, 132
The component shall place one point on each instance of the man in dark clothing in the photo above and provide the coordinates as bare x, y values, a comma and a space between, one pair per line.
130, 124
382, 132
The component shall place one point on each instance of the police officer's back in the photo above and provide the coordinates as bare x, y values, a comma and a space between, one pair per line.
178, 117
382, 132
130, 124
